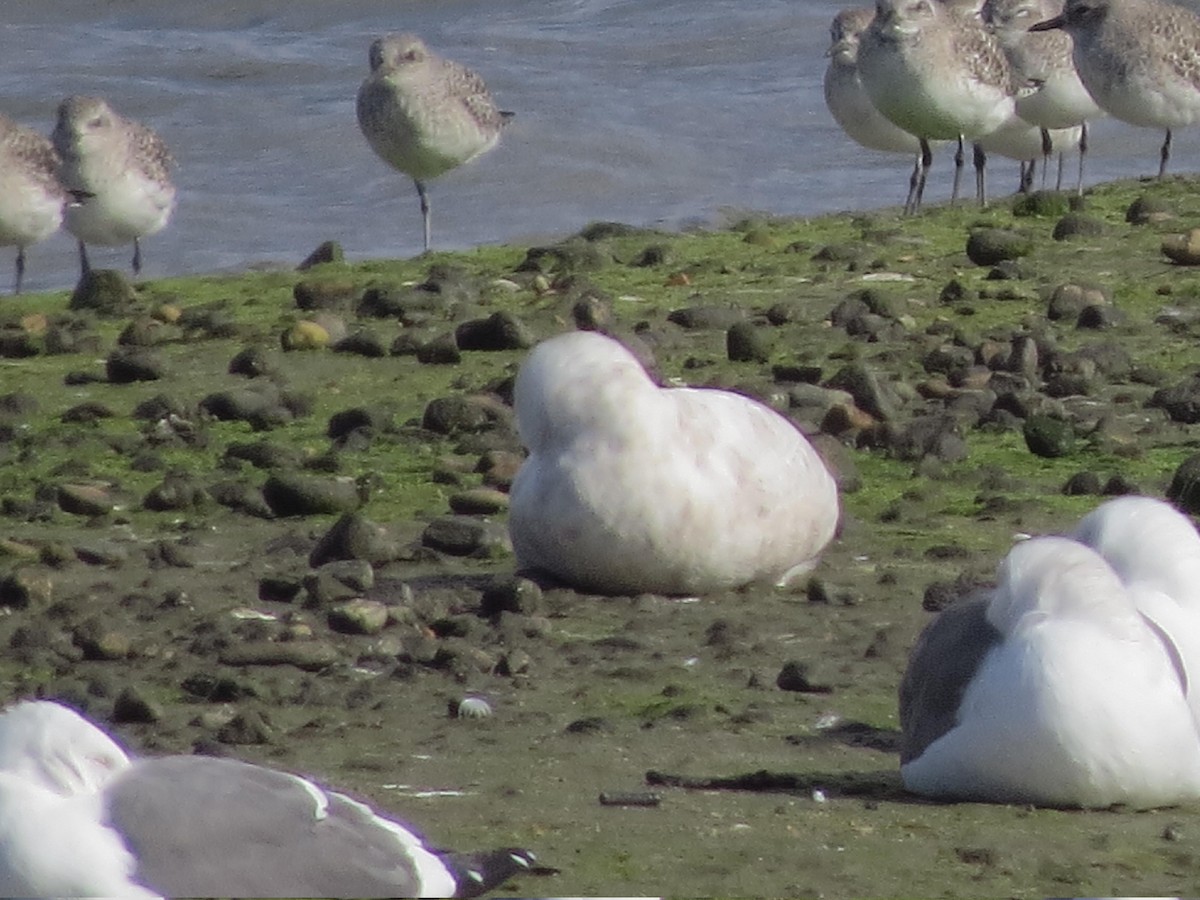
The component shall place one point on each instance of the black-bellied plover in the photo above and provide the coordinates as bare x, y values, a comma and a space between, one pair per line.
31, 199
847, 99
937, 74
117, 171
424, 115
1044, 58
1139, 59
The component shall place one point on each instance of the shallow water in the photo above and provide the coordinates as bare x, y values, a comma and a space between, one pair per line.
653, 112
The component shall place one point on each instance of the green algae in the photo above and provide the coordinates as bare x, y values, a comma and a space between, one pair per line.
672, 700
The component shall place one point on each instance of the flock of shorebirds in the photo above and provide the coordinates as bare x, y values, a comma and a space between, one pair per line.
107, 178
1021, 78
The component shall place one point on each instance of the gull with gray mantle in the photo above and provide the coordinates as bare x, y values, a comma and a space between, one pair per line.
79, 818
1072, 682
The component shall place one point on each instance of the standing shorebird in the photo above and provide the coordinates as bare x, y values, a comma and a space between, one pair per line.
847, 99
1139, 59
31, 199
1044, 58
117, 171
424, 115
937, 74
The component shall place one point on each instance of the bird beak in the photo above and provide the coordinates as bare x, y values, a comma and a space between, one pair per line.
1049, 24
837, 47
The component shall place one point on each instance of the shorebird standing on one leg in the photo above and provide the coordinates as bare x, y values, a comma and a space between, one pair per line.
936, 74
118, 172
1139, 59
424, 115
31, 199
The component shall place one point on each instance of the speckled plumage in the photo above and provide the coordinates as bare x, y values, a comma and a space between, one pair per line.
936, 73
118, 171
31, 199
424, 115
1139, 59
1045, 59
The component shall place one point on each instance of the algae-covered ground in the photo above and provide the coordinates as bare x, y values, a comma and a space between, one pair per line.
151, 575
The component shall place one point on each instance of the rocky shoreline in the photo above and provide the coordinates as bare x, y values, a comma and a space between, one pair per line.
263, 515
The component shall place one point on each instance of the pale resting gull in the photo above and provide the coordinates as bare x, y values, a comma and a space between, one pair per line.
631, 488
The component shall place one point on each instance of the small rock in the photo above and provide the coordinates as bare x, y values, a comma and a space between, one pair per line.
1183, 249
478, 502
126, 365
1184, 490
794, 676
745, 342
463, 536
1078, 225
499, 331
1049, 437
290, 494
989, 246
310, 656
354, 537
132, 707
514, 595
325, 252
1146, 210
358, 616
248, 727
84, 500
26, 587
105, 291
305, 335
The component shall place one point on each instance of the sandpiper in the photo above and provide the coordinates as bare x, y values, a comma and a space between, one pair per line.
847, 99
937, 74
117, 171
31, 199
1044, 58
1139, 59
424, 115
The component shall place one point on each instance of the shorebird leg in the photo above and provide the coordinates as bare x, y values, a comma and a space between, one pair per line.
424, 209
20, 268
1047, 151
1062, 161
137, 257
926, 162
980, 161
85, 267
1025, 185
913, 180
1083, 148
1164, 155
958, 166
